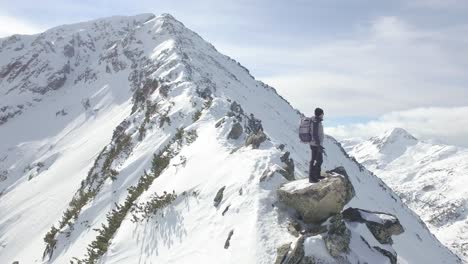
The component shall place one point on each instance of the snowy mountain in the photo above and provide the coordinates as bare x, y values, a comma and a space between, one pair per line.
131, 140
430, 178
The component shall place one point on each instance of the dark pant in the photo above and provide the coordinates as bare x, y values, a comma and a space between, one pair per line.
315, 163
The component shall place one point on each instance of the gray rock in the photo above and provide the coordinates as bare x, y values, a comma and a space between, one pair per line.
228, 240
391, 255
220, 122
338, 237
316, 202
256, 139
297, 254
219, 196
282, 252
288, 169
294, 228
236, 131
381, 225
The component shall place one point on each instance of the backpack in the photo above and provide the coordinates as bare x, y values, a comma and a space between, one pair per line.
305, 128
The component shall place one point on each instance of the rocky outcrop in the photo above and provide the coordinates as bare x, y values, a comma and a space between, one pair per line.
219, 196
236, 131
282, 252
382, 225
297, 253
288, 168
315, 202
338, 237
255, 140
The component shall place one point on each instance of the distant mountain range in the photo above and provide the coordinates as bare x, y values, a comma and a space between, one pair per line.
432, 179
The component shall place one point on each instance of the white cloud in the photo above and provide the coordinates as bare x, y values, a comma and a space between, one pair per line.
448, 125
12, 25
388, 65
383, 69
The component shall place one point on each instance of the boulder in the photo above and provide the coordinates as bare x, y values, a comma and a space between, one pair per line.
236, 131
219, 196
381, 225
256, 139
315, 202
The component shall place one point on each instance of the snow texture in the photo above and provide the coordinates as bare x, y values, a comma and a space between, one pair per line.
71, 95
430, 178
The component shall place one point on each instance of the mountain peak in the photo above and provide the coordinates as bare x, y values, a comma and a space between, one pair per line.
398, 136
399, 132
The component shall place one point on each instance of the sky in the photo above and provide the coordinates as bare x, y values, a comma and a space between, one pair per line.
371, 65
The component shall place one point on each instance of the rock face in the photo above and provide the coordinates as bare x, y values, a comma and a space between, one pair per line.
315, 202
381, 225
338, 238
236, 131
288, 168
256, 139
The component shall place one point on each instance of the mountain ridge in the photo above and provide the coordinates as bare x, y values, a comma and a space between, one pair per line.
429, 178
160, 112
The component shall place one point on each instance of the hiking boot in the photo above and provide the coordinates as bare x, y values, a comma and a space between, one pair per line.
313, 180
320, 177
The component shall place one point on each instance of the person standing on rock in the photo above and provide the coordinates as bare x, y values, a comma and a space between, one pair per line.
316, 146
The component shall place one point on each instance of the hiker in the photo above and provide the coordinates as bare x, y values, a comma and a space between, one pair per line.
316, 146
311, 132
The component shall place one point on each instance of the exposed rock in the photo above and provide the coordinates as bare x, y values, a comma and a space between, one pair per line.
316, 202
428, 188
282, 252
254, 125
391, 255
228, 240
256, 139
288, 169
205, 93
236, 108
226, 209
3, 175
68, 51
219, 196
381, 225
338, 237
297, 254
267, 174
236, 131
220, 122
294, 228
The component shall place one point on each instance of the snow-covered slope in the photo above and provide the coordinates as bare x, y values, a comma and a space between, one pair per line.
430, 178
118, 134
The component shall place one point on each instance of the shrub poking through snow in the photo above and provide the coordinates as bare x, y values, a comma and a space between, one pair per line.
154, 205
196, 115
160, 162
98, 174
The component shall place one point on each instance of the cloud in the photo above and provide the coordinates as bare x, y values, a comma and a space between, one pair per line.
11, 25
388, 65
447, 124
